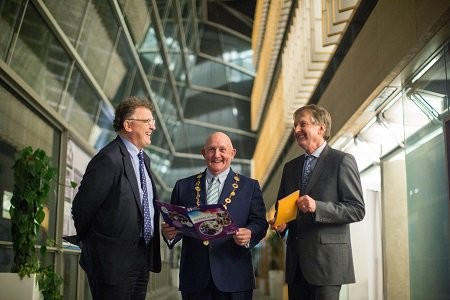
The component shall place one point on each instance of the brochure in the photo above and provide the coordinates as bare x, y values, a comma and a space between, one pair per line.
205, 222
287, 208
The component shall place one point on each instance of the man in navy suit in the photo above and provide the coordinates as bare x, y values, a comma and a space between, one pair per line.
108, 209
318, 253
221, 268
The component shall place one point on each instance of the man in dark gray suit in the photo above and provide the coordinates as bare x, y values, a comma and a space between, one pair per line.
318, 252
114, 210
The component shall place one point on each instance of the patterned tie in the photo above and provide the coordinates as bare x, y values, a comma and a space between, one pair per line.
213, 191
307, 169
145, 204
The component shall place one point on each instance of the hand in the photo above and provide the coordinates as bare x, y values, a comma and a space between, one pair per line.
242, 236
279, 228
306, 204
168, 232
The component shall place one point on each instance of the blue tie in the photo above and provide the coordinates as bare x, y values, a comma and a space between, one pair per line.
213, 191
145, 204
307, 169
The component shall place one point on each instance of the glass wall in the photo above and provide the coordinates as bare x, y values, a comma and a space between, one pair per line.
428, 180
407, 133
21, 126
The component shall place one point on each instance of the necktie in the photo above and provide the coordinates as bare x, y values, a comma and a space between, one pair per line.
213, 191
307, 169
145, 204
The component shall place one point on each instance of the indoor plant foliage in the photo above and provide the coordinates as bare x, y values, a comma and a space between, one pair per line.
33, 176
276, 252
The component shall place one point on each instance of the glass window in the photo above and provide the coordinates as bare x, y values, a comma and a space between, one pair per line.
39, 59
120, 72
427, 180
217, 109
21, 127
9, 16
70, 275
98, 38
80, 105
6, 258
69, 15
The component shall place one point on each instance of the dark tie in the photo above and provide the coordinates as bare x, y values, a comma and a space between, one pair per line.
213, 191
145, 204
307, 169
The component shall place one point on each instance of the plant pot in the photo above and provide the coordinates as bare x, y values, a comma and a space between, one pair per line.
14, 288
276, 282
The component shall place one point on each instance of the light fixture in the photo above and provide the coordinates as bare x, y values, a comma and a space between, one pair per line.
426, 68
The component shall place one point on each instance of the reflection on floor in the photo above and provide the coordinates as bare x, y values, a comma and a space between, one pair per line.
172, 293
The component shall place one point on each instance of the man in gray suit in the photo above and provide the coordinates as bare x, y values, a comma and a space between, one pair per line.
318, 252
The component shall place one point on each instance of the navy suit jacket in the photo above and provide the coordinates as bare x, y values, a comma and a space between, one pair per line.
223, 261
320, 243
108, 215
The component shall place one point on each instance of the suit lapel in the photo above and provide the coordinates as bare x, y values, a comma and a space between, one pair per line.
147, 166
129, 172
203, 189
227, 187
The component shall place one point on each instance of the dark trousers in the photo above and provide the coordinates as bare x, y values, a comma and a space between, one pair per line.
300, 289
133, 287
212, 293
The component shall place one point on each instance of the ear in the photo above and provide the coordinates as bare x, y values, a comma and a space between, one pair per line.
203, 152
322, 129
127, 126
234, 151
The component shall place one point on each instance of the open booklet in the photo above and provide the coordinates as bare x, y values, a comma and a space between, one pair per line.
287, 208
205, 222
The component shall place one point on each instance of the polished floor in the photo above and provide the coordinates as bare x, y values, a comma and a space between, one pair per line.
172, 293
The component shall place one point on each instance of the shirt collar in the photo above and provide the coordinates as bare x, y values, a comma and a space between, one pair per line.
222, 176
318, 151
132, 149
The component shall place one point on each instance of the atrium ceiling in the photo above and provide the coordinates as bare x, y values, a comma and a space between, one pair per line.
197, 59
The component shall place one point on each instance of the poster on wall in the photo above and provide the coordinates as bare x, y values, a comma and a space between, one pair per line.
77, 161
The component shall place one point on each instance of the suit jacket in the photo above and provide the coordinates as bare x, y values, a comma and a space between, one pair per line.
320, 243
227, 264
108, 215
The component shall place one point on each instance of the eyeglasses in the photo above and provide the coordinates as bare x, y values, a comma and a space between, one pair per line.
148, 121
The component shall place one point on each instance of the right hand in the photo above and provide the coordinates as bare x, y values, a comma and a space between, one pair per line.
168, 232
279, 228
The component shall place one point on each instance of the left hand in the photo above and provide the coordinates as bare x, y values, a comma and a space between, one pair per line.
242, 236
168, 232
306, 204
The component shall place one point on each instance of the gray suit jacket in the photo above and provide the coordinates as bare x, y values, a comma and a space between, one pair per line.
319, 243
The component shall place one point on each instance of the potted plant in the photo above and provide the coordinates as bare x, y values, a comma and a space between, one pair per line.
276, 262
33, 176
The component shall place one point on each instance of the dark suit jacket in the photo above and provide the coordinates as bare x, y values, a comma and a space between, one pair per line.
320, 243
229, 265
108, 215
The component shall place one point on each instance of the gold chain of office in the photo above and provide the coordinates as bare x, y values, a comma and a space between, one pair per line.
235, 185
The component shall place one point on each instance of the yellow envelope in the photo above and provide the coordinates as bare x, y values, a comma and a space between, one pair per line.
287, 208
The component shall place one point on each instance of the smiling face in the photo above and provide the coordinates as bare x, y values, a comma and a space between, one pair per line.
218, 152
308, 132
139, 127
